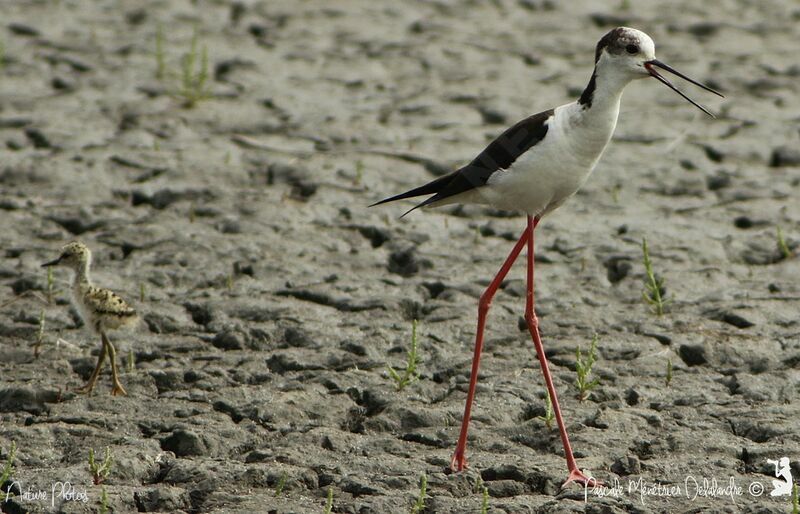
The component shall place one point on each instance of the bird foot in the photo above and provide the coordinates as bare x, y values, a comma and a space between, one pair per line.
118, 390
85, 389
459, 462
580, 478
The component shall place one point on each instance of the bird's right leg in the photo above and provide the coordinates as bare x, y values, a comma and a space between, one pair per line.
459, 461
96, 373
112, 353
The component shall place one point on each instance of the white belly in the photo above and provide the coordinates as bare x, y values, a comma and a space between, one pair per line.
551, 172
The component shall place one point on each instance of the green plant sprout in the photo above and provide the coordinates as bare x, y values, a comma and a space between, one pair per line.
100, 472
50, 285
131, 364
410, 374
194, 75
485, 501
161, 66
103, 501
782, 246
795, 500
329, 501
359, 172
419, 505
37, 347
668, 378
549, 414
8, 468
281, 484
654, 286
583, 367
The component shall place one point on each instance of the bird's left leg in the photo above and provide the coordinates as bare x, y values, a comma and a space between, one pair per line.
575, 474
87, 388
112, 353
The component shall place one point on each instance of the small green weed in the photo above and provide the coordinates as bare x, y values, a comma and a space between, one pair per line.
410, 374
194, 75
419, 505
281, 484
37, 347
161, 65
549, 414
485, 501
329, 502
8, 468
100, 471
654, 293
583, 367
783, 248
50, 285
103, 501
668, 378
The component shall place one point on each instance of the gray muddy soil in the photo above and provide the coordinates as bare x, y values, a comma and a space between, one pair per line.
272, 298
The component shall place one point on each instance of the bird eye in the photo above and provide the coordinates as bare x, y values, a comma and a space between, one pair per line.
632, 49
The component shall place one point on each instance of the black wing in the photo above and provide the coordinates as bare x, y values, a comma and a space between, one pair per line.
499, 155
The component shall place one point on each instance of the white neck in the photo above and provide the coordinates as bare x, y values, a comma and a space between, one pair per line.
82, 274
603, 94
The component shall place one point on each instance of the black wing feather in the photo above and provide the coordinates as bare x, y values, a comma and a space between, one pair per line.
499, 155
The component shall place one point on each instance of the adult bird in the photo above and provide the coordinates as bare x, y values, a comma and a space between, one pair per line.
534, 167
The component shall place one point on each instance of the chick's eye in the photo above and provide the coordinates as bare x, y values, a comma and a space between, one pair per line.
632, 49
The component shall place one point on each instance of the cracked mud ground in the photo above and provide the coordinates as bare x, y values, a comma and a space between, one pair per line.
272, 298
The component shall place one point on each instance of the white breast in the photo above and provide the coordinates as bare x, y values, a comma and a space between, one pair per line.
552, 171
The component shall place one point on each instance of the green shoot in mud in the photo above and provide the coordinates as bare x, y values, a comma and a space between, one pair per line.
549, 415
103, 501
783, 248
668, 378
583, 367
410, 374
654, 285
194, 75
131, 364
329, 501
100, 471
795, 500
8, 468
359, 173
281, 484
485, 501
419, 505
37, 347
161, 65
50, 285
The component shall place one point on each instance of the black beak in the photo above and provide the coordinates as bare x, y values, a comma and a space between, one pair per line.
51, 263
655, 62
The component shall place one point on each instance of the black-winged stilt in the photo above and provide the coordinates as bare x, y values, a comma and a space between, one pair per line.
534, 167
101, 309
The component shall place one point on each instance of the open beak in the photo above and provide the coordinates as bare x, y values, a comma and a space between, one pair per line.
51, 263
649, 65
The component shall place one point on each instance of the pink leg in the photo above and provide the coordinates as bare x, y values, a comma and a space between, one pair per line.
575, 474
459, 461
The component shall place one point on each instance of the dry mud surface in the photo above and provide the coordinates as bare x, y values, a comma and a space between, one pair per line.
272, 298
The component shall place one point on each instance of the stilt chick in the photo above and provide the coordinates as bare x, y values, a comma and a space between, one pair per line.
100, 309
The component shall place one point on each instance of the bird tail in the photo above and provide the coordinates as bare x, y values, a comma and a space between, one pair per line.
431, 188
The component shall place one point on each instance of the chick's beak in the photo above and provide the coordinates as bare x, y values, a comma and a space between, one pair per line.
51, 263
